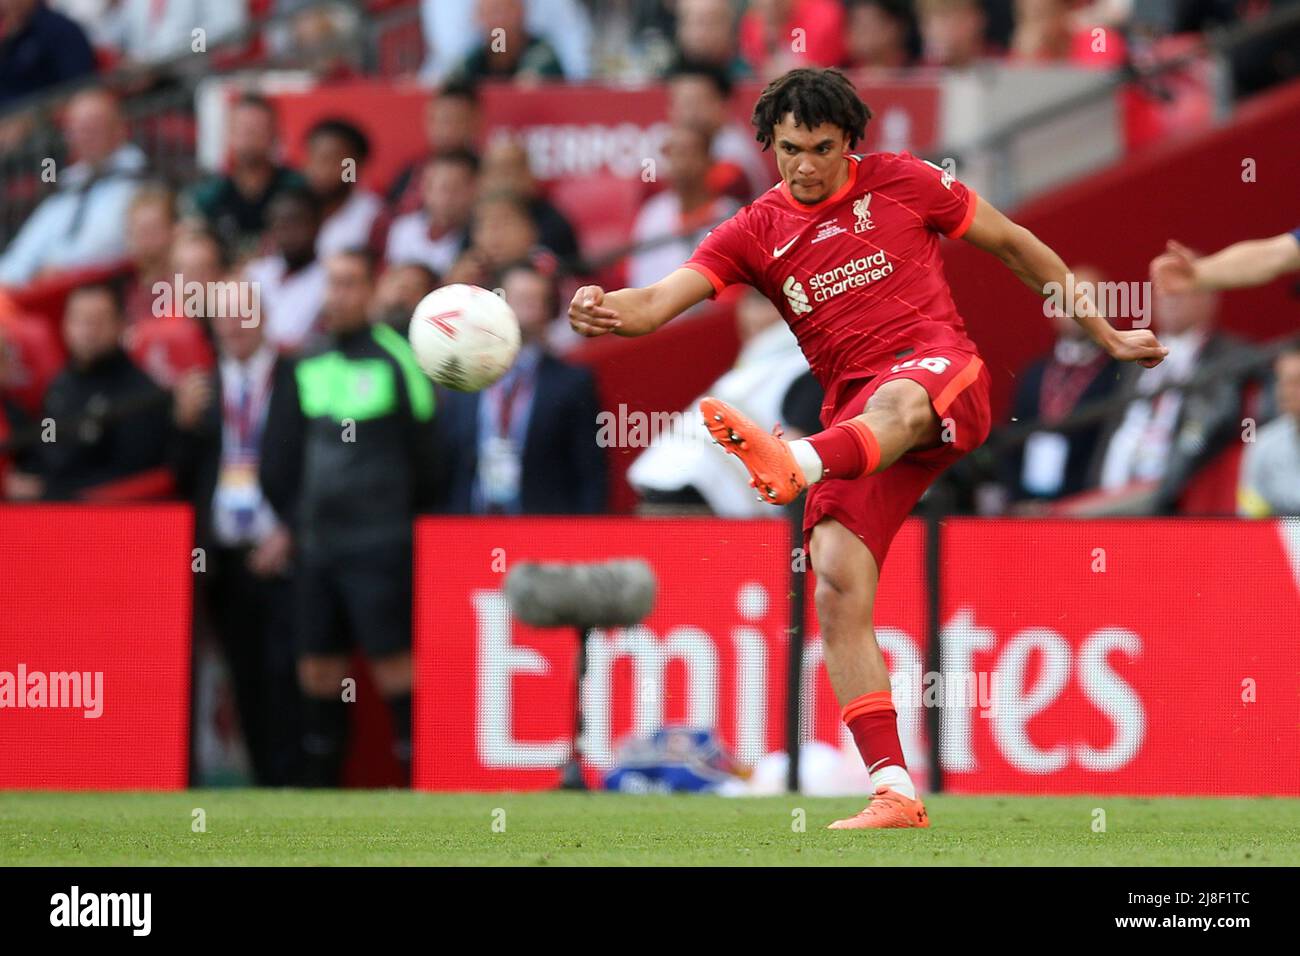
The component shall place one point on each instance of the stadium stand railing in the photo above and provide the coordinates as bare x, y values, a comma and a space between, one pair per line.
1216, 69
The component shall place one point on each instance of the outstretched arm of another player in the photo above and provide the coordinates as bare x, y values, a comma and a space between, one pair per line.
1038, 266
627, 312
1252, 262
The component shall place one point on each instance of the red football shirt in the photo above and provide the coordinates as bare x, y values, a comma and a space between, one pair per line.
858, 276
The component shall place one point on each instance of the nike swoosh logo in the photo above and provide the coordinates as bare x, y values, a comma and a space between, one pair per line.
779, 251
872, 768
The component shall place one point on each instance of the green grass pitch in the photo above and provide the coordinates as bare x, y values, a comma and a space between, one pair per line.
367, 828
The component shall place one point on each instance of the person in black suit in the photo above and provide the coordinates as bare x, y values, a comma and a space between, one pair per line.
1056, 464
1168, 433
108, 421
527, 444
244, 589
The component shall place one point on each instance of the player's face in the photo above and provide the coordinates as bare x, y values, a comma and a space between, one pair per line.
811, 161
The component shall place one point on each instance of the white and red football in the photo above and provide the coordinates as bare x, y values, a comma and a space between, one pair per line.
464, 337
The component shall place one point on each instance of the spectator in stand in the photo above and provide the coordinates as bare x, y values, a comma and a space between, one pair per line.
506, 169
201, 261
39, 48
1051, 464
99, 19
1045, 33
291, 280
881, 34
1242, 265
509, 51
706, 33
399, 291
503, 232
527, 444
317, 39
169, 336
780, 35
684, 212
110, 421
83, 223
235, 204
452, 121
436, 234
350, 505
153, 31
150, 231
700, 95
952, 33
1270, 470
245, 591
1165, 438
336, 157
452, 31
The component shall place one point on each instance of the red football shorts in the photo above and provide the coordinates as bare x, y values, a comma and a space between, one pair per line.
874, 506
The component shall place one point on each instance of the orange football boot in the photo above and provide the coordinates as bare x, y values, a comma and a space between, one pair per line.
773, 471
888, 809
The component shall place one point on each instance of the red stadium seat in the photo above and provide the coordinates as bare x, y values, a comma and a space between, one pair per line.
1213, 489
37, 351
47, 296
154, 484
602, 210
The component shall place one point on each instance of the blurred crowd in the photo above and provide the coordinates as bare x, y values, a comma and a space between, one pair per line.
51, 41
237, 341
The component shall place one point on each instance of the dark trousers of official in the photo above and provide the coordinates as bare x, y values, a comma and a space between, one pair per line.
252, 617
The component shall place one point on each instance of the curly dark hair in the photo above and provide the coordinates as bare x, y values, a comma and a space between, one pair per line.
814, 97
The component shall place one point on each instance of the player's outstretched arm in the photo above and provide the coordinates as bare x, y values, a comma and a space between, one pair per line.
627, 312
1039, 267
1241, 265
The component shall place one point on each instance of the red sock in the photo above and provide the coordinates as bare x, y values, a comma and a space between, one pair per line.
847, 450
874, 725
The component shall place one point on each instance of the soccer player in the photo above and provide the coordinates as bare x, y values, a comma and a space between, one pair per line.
847, 247
1251, 262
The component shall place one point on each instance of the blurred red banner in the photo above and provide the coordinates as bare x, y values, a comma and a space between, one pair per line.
1148, 657
95, 647
494, 698
1107, 657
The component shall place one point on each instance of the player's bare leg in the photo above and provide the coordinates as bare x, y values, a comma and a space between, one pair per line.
845, 596
898, 418
846, 592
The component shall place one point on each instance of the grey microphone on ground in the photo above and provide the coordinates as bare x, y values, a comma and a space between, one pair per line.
616, 593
